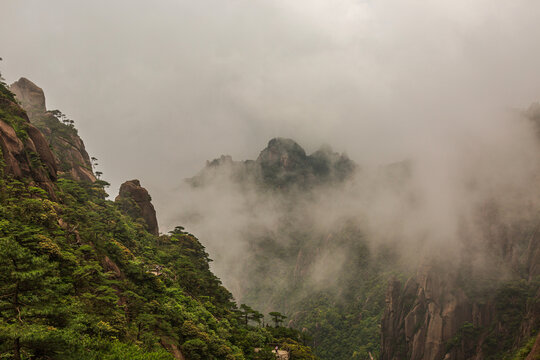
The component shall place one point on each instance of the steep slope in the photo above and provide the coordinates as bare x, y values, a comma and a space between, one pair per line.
61, 136
482, 303
26, 154
82, 279
321, 273
363, 286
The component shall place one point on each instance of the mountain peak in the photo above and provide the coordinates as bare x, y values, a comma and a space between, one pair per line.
285, 153
30, 95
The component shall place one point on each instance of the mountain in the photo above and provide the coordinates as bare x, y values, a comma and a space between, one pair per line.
61, 135
483, 303
134, 200
322, 273
281, 165
82, 277
313, 246
26, 154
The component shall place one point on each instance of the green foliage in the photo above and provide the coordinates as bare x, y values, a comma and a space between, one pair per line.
79, 279
511, 303
340, 318
525, 350
19, 124
4, 91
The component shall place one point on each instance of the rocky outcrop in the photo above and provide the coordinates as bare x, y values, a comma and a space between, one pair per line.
136, 202
473, 307
71, 156
421, 318
25, 152
282, 164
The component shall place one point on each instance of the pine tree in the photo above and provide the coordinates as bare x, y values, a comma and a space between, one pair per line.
29, 291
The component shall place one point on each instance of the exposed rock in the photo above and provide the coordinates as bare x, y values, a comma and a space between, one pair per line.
283, 163
30, 95
112, 267
433, 318
535, 352
170, 345
136, 202
71, 156
466, 312
42, 148
283, 153
25, 151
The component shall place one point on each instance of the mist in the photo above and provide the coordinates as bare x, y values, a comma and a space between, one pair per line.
156, 89
439, 205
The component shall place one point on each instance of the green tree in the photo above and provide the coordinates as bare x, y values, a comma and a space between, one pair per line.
277, 318
29, 290
246, 312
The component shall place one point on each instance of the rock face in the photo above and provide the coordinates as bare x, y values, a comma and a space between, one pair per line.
467, 310
30, 95
71, 156
25, 151
136, 202
423, 316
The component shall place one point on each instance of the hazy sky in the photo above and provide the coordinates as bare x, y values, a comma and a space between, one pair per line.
157, 88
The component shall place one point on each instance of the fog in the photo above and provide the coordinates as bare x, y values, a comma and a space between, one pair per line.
158, 88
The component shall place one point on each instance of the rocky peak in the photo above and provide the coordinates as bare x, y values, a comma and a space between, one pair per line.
285, 153
282, 164
25, 151
71, 156
137, 203
30, 95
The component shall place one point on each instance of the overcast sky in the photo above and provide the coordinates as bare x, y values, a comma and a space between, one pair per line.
158, 87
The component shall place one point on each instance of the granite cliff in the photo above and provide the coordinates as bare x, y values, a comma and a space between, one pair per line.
282, 164
62, 137
26, 154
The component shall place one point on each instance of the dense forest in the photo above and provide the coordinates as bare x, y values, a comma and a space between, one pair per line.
82, 277
362, 292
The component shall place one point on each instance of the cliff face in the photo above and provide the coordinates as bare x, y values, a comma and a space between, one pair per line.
431, 317
479, 303
71, 156
423, 316
25, 151
135, 201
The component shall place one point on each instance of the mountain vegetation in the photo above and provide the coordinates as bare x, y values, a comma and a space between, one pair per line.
81, 277
84, 277
359, 299
340, 312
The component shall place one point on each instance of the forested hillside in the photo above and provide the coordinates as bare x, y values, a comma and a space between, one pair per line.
81, 277
303, 255
336, 248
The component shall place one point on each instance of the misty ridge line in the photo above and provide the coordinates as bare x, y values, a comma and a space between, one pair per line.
451, 202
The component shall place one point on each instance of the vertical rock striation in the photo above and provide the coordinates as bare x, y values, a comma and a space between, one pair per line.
25, 152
